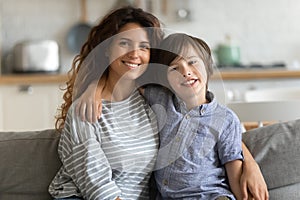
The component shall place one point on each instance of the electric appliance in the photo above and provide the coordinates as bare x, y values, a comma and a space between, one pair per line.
36, 56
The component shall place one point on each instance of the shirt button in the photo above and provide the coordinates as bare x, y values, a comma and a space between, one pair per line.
187, 116
202, 111
165, 182
177, 139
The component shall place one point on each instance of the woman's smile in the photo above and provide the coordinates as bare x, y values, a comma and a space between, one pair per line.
131, 65
129, 53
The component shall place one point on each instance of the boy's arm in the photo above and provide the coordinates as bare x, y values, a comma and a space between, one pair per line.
234, 172
252, 181
89, 104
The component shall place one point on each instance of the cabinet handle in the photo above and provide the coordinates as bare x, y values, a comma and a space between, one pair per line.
26, 89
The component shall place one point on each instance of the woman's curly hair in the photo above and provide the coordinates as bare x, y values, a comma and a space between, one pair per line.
85, 68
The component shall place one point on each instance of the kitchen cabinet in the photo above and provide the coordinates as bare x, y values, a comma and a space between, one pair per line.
234, 90
30, 101
230, 90
29, 106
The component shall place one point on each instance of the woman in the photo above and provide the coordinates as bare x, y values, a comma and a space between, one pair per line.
111, 159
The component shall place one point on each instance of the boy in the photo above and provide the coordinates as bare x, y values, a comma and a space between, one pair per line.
200, 155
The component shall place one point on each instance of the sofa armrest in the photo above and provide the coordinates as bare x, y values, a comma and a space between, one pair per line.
276, 148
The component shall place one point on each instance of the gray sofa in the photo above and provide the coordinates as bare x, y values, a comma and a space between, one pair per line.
29, 161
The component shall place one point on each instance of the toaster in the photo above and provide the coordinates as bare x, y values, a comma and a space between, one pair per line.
36, 56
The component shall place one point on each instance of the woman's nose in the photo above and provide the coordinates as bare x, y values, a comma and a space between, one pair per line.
133, 53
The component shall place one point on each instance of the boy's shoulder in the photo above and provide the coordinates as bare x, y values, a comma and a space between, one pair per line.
226, 115
229, 113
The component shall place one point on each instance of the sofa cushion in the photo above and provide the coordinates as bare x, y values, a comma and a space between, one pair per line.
290, 192
29, 161
276, 148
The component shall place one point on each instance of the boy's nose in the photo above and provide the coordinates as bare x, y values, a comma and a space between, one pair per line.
187, 74
186, 71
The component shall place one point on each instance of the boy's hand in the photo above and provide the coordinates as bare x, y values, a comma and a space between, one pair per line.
88, 105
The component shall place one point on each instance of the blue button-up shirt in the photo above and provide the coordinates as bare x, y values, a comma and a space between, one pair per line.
194, 146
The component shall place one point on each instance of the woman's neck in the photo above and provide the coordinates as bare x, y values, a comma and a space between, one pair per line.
118, 90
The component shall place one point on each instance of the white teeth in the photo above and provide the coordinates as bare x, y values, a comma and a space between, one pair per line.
189, 82
132, 65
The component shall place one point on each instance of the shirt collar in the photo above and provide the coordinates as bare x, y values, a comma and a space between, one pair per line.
202, 109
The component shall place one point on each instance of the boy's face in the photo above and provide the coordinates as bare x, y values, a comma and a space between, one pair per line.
187, 77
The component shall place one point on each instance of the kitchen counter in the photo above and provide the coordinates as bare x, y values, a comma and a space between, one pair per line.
32, 78
225, 74
235, 74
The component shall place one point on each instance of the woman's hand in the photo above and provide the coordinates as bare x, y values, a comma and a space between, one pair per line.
88, 105
252, 182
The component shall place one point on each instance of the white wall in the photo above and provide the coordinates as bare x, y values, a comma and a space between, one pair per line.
266, 30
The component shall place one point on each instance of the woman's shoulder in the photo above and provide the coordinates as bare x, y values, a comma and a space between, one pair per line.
157, 94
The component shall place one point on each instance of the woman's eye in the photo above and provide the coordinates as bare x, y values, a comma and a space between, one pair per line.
144, 46
124, 43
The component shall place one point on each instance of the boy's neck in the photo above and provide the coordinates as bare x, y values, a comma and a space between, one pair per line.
194, 102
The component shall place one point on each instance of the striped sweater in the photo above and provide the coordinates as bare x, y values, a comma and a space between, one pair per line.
113, 157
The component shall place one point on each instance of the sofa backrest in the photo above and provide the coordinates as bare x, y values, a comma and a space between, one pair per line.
28, 163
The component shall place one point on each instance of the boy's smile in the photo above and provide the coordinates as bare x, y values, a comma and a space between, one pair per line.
190, 82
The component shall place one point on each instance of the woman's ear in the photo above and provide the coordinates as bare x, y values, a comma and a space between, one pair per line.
106, 53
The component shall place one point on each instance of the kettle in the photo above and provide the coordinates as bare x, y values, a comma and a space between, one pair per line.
228, 53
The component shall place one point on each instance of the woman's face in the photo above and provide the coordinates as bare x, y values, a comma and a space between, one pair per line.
129, 53
187, 76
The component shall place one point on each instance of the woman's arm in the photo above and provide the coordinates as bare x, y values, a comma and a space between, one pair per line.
252, 181
81, 153
234, 171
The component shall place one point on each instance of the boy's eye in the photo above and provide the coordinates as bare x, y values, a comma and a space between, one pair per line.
173, 68
192, 62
